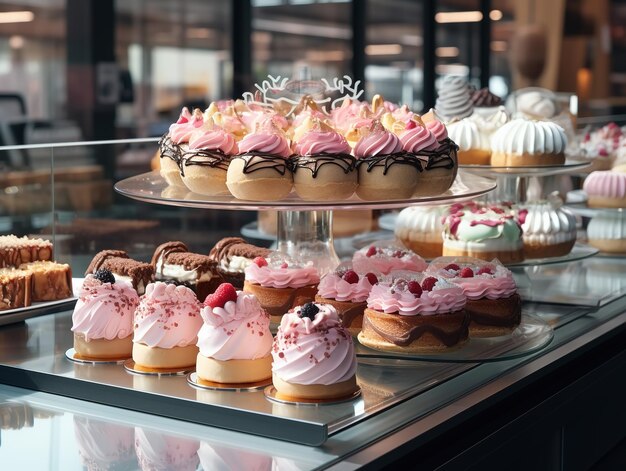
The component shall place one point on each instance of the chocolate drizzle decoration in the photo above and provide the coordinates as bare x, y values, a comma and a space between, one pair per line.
387, 160
316, 161
260, 161
168, 149
442, 157
213, 158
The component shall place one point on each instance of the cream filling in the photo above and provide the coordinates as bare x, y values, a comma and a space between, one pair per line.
236, 264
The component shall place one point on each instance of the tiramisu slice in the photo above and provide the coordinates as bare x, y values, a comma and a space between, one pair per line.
233, 255
173, 263
139, 274
49, 280
14, 288
17, 250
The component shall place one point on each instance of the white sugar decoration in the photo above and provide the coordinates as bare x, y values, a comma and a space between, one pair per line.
275, 85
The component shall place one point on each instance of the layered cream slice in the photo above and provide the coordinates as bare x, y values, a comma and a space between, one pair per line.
235, 338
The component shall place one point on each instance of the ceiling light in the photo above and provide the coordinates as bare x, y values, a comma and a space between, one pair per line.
383, 49
323, 56
459, 17
495, 15
16, 16
450, 51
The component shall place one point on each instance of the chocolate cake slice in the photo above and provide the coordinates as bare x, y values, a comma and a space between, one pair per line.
232, 255
123, 268
173, 263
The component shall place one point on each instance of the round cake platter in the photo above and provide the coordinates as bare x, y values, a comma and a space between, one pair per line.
532, 335
569, 166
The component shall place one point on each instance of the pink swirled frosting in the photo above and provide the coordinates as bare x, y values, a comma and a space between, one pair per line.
316, 142
417, 139
605, 183
497, 283
238, 331
438, 129
274, 275
444, 297
318, 351
385, 259
104, 310
181, 131
168, 316
333, 286
377, 143
213, 139
266, 143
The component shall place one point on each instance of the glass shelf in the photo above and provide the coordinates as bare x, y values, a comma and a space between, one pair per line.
152, 188
534, 171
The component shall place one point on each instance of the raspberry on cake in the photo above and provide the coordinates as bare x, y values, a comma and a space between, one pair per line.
280, 283
383, 257
139, 274
235, 339
166, 326
102, 321
405, 315
173, 263
347, 292
233, 255
313, 355
493, 304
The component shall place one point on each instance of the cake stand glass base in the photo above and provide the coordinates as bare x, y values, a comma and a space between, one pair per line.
308, 236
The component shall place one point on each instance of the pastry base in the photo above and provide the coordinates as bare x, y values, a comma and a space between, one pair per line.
293, 392
474, 157
330, 184
103, 349
277, 301
425, 249
548, 251
500, 159
204, 180
352, 312
605, 202
260, 185
434, 182
399, 183
508, 256
380, 330
233, 371
171, 172
159, 358
235, 279
609, 245
494, 317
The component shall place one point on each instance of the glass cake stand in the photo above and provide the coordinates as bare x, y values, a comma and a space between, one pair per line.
304, 227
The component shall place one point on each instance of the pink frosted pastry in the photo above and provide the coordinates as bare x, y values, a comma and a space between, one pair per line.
313, 355
413, 315
281, 284
204, 165
235, 339
493, 304
323, 168
260, 172
167, 322
436, 152
347, 291
386, 258
157, 451
385, 170
606, 189
175, 144
104, 445
102, 321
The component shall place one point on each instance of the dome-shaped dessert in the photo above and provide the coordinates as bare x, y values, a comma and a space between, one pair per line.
548, 229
